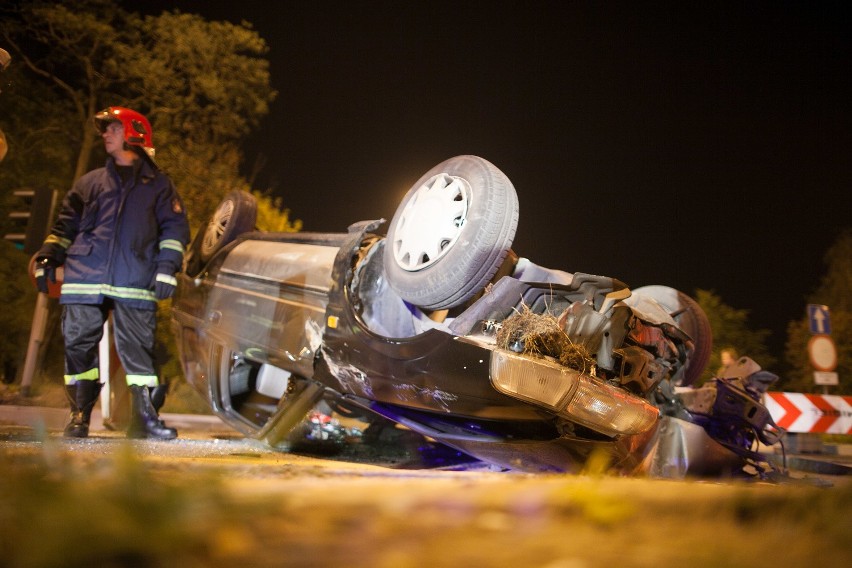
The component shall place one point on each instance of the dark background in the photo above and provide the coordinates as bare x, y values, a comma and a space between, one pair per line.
697, 147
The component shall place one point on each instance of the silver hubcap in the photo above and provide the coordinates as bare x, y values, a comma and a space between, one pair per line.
216, 228
431, 222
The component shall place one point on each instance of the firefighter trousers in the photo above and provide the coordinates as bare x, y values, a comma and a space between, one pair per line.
133, 329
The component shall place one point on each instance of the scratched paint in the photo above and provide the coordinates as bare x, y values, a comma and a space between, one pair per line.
351, 379
413, 392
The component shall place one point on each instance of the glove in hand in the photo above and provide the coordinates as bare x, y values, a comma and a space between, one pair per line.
164, 283
45, 269
163, 290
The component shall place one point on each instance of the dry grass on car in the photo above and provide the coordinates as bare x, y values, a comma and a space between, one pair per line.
540, 335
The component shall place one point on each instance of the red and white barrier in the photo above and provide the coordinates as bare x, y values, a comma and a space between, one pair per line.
799, 412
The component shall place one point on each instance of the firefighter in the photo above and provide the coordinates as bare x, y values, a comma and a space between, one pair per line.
121, 235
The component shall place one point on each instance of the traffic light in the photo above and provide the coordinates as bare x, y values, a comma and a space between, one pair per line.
29, 221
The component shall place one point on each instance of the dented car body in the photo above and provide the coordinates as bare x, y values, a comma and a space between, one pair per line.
270, 325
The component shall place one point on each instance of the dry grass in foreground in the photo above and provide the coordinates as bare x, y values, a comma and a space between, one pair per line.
124, 510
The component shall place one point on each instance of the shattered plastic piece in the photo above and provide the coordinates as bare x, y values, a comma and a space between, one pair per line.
313, 333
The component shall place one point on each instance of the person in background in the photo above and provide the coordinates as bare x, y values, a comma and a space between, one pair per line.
121, 235
727, 356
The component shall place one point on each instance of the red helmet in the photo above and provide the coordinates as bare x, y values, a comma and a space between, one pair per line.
137, 129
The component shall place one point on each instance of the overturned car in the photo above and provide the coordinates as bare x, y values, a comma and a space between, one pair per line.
438, 326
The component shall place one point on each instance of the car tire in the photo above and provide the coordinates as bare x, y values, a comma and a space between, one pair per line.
451, 233
235, 215
692, 320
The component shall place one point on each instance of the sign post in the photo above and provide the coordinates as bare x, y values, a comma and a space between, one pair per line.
819, 319
822, 351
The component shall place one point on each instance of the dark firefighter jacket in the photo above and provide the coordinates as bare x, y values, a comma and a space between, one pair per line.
114, 237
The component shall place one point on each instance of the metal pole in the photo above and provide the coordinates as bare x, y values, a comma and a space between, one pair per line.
36, 339
41, 311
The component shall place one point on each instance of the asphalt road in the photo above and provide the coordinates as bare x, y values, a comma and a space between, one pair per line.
213, 498
833, 463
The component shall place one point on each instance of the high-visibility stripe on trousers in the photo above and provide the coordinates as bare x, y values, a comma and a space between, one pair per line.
133, 329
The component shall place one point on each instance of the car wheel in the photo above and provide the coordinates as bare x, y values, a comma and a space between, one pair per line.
692, 320
451, 233
235, 215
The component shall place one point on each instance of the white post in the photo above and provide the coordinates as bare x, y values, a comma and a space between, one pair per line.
103, 369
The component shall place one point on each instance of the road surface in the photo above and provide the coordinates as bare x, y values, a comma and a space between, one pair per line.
212, 498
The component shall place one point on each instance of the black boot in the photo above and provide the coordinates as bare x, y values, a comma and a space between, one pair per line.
144, 422
82, 395
158, 396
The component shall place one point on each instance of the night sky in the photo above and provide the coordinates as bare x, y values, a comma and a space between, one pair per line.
666, 144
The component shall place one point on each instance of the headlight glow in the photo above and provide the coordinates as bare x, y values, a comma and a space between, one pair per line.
608, 409
577, 397
542, 382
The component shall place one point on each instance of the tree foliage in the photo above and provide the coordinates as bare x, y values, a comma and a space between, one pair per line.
835, 288
205, 81
834, 291
18, 305
272, 216
69, 47
731, 331
203, 85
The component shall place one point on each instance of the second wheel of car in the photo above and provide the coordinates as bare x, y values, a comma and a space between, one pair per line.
236, 214
451, 233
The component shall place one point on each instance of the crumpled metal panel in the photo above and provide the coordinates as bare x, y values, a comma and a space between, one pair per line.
680, 449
